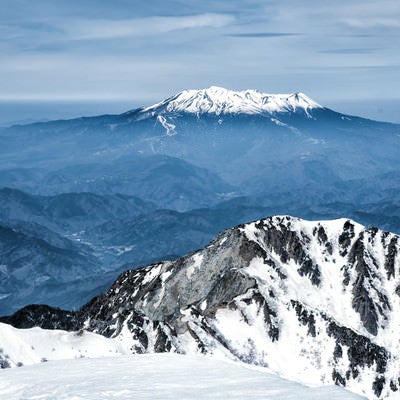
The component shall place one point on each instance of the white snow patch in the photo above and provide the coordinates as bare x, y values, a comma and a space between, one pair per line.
170, 128
219, 101
203, 305
223, 241
31, 346
151, 274
197, 260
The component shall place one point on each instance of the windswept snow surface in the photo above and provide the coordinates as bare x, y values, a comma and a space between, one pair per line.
35, 345
218, 100
154, 376
82, 365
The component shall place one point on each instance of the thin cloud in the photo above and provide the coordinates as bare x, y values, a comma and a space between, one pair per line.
348, 51
380, 22
262, 34
132, 48
103, 29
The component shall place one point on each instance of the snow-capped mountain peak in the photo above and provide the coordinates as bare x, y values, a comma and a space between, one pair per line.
218, 100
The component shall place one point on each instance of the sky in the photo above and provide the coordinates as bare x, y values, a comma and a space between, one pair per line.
111, 55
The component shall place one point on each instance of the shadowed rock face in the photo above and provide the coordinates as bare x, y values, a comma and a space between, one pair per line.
44, 316
321, 296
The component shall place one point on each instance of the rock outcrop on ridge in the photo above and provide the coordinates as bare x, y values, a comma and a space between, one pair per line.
314, 301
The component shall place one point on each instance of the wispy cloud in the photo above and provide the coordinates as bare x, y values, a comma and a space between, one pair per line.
102, 29
101, 49
262, 34
348, 51
373, 22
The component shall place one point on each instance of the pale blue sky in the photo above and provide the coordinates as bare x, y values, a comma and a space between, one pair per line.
138, 52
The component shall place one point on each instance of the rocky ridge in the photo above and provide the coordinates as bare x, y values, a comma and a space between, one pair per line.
314, 301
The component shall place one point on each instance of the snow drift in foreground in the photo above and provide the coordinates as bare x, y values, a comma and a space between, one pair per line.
20, 347
154, 376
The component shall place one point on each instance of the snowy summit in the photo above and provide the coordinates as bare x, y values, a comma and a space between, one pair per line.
218, 100
314, 301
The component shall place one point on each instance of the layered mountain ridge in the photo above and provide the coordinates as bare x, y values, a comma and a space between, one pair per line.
216, 157
314, 301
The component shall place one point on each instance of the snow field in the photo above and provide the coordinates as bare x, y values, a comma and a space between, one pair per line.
154, 376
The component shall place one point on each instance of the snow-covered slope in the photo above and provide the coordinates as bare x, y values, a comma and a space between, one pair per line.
155, 377
218, 100
316, 302
20, 347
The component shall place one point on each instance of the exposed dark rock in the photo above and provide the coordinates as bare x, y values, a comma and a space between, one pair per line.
4, 364
338, 352
308, 268
163, 343
322, 238
305, 317
378, 384
44, 316
289, 246
269, 314
328, 246
346, 275
345, 237
362, 301
361, 351
338, 379
364, 305
390, 259
233, 283
135, 325
248, 250
272, 264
